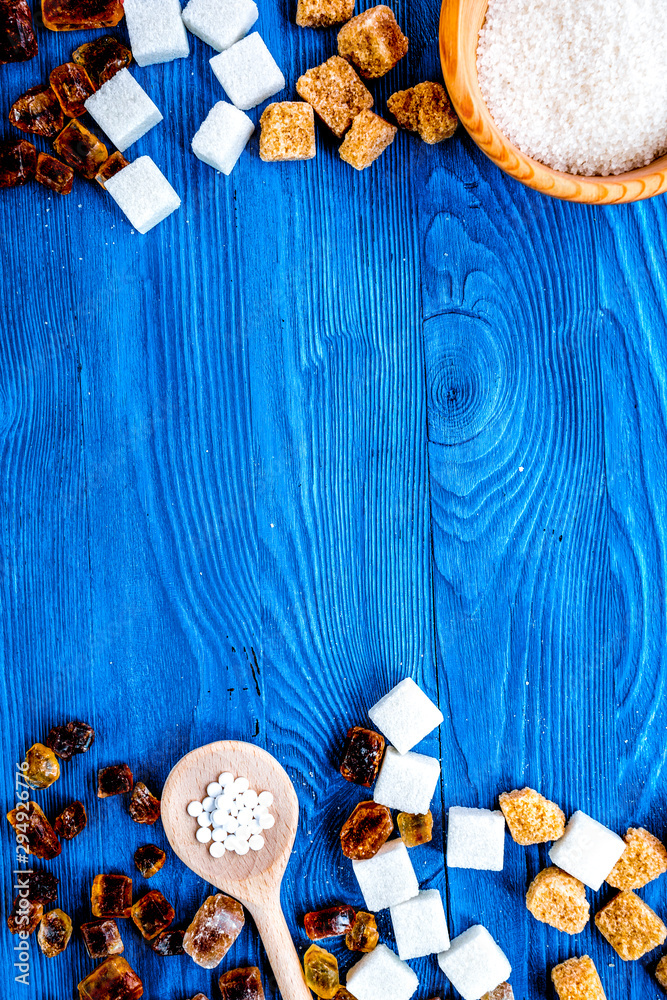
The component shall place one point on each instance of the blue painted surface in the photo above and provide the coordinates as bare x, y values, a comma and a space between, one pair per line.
318, 431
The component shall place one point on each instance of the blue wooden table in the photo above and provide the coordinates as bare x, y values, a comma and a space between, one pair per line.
319, 431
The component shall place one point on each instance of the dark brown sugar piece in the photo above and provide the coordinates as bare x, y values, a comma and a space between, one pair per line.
38, 111
111, 896
71, 15
367, 139
373, 41
502, 992
33, 830
114, 979
102, 938
41, 886
82, 150
242, 984
53, 174
334, 921
425, 109
213, 930
364, 748
168, 943
24, 916
149, 859
72, 738
144, 806
72, 86
54, 933
367, 830
71, 821
110, 168
117, 779
363, 934
337, 95
323, 13
18, 41
152, 914
102, 58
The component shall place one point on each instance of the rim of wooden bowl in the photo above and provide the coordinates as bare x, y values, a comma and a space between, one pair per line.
460, 23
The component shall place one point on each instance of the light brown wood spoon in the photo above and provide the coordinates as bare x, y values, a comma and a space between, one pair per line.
253, 878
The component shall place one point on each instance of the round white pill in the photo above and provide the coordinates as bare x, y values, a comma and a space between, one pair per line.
234, 810
242, 847
203, 835
230, 843
256, 842
208, 803
219, 834
231, 824
250, 798
265, 799
243, 833
244, 816
215, 788
266, 821
219, 817
216, 850
241, 785
195, 809
226, 778
254, 826
223, 801
204, 819
260, 810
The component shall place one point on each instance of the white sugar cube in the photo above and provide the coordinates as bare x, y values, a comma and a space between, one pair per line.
248, 72
476, 839
143, 193
123, 109
388, 878
420, 925
222, 137
156, 29
220, 23
407, 781
405, 716
588, 850
475, 964
381, 975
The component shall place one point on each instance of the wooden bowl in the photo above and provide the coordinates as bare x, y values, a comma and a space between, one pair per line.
460, 23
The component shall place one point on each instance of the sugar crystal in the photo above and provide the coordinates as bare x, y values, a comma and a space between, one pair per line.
143, 193
474, 963
220, 23
388, 878
123, 109
156, 29
382, 974
420, 925
476, 839
587, 850
406, 781
222, 137
248, 72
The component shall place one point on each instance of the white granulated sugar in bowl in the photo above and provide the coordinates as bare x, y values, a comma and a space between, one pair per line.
580, 85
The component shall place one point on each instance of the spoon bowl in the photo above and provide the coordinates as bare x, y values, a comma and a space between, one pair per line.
460, 23
254, 878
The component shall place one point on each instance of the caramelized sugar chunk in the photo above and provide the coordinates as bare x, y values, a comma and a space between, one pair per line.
199, 996
102, 58
38, 111
426, 110
113, 166
531, 818
242, 984
502, 992
364, 748
43, 767
55, 930
41, 886
373, 41
168, 943
323, 13
71, 821
643, 860
102, 938
335, 921
630, 926
118, 779
661, 972
18, 41
344, 994
320, 969
559, 899
18, 163
83, 151
71, 15
72, 86
366, 831
367, 139
53, 174
152, 914
337, 95
577, 979
363, 935
111, 896
24, 916
415, 828
72, 738
214, 929
144, 807
112, 980
33, 830
149, 859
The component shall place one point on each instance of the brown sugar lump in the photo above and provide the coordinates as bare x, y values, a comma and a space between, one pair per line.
502, 992
323, 13
425, 109
288, 132
559, 899
373, 41
531, 819
367, 139
630, 926
577, 979
643, 860
336, 93
661, 972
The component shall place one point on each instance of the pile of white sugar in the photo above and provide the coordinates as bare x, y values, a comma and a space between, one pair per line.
580, 85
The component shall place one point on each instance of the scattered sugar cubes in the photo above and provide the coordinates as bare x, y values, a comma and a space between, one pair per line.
476, 839
643, 860
323, 13
407, 781
335, 92
381, 974
388, 878
143, 193
420, 925
373, 41
630, 926
123, 109
559, 899
531, 819
220, 23
156, 29
288, 132
248, 72
587, 850
406, 715
222, 137
577, 979
474, 963
367, 139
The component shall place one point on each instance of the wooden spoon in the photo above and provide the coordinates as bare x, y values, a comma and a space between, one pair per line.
254, 878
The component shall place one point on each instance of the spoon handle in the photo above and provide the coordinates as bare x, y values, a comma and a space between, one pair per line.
280, 949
